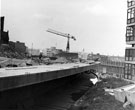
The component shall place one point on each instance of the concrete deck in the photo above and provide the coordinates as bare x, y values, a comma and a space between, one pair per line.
22, 76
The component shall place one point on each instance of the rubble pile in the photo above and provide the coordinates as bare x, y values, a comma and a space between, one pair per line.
9, 52
101, 97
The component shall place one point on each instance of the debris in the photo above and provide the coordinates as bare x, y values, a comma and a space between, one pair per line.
110, 91
127, 103
29, 63
97, 98
94, 80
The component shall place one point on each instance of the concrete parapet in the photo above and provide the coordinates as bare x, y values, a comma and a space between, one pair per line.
126, 94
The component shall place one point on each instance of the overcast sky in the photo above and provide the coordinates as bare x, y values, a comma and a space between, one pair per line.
98, 25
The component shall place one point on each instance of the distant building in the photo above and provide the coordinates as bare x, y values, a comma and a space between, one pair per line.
68, 55
51, 51
33, 52
94, 57
4, 36
19, 47
129, 70
83, 55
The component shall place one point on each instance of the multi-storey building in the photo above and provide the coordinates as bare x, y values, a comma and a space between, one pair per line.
129, 72
50, 52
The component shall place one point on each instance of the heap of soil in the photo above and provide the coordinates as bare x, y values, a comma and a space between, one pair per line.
97, 99
9, 52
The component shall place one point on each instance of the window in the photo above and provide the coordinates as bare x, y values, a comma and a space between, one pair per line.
133, 69
130, 55
129, 31
130, 34
131, 15
133, 58
128, 68
131, 3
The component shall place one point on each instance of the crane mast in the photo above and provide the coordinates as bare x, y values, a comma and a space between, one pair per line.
68, 36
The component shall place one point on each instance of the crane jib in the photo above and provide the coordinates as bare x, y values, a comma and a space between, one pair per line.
61, 34
64, 35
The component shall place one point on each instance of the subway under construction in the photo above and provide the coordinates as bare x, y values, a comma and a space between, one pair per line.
54, 79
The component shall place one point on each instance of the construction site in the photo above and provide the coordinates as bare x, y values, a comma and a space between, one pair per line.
57, 79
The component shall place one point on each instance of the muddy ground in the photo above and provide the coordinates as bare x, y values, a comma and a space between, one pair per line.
97, 99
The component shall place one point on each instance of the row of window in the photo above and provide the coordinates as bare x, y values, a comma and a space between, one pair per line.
112, 63
130, 53
130, 33
118, 70
130, 69
131, 15
130, 58
131, 3
130, 38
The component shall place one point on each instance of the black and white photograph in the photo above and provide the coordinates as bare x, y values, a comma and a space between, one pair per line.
67, 55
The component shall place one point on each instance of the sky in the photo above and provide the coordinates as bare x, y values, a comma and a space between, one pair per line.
98, 25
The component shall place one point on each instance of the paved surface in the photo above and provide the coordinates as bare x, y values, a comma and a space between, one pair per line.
6, 72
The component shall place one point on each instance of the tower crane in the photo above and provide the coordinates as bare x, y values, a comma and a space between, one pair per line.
68, 36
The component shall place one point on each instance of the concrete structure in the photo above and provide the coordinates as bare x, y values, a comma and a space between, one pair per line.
11, 78
129, 71
113, 65
125, 94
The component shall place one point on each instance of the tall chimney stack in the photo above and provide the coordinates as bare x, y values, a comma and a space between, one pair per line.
2, 23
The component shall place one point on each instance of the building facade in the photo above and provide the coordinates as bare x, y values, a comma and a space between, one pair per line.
52, 51
129, 68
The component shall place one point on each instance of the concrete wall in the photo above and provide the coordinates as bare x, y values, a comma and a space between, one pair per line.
24, 97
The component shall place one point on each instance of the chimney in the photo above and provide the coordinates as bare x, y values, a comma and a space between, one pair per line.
2, 23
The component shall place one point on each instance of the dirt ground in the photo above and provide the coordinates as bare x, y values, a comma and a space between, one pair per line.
97, 99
